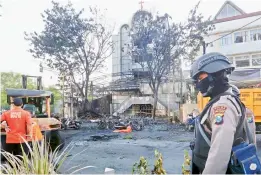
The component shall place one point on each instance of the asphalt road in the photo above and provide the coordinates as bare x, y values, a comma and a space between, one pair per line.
120, 151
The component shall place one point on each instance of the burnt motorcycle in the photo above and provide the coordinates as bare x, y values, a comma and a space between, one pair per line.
70, 123
135, 124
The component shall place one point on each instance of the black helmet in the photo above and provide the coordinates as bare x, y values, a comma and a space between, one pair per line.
210, 63
235, 90
216, 65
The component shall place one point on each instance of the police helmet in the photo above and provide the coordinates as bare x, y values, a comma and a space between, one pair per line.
235, 90
210, 63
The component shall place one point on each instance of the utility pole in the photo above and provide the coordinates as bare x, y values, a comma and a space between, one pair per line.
63, 77
204, 47
181, 82
169, 59
92, 90
71, 87
174, 89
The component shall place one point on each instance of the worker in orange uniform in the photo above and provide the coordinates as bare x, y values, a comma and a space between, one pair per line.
18, 121
35, 134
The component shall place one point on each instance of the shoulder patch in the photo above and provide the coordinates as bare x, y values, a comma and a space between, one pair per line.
219, 114
218, 119
250, 118
219, 109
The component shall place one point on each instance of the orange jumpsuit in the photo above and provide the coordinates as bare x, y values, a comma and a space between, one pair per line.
36, 134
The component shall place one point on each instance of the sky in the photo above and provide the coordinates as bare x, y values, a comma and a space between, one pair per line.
18, 16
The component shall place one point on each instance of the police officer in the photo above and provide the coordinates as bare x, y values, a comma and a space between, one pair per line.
220, 125
250, 119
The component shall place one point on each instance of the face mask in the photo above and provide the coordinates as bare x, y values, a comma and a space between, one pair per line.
203, 85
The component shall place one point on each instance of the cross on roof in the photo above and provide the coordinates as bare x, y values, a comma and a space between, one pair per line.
141, 4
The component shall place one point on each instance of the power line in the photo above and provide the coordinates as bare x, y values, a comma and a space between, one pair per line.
234, 30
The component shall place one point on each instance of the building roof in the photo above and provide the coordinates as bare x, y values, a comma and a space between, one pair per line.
247, 15
240, 16
233, 5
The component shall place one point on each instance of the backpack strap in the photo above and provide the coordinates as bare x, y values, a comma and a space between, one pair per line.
211, 102
242, 109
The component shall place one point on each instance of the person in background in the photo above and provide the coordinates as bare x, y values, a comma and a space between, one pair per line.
18, 122
35, 134
250, 119
195, 113
30, 107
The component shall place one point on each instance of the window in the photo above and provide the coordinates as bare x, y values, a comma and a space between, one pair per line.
226, 40
240, 37
256, 60
231, 11
255, 35
242, 61
228, 11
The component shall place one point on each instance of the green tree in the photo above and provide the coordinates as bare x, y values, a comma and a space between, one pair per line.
57, 95
56, 92
73, 45
12, 80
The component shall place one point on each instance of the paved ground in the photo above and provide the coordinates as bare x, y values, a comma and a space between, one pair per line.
120, 152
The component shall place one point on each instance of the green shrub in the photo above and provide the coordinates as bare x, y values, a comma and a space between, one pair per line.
41, 160
128, 137
142, 166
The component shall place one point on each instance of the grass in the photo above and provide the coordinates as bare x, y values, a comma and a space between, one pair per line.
184, 140
41, 160
128, 137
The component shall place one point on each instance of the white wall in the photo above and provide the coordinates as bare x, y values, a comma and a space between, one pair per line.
230, 26
115, 56
234, 50
224, 28
238, 48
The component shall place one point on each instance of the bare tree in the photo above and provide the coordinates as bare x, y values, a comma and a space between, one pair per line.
158, 45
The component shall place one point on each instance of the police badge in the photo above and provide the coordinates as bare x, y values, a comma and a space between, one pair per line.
219, 114
250, 119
